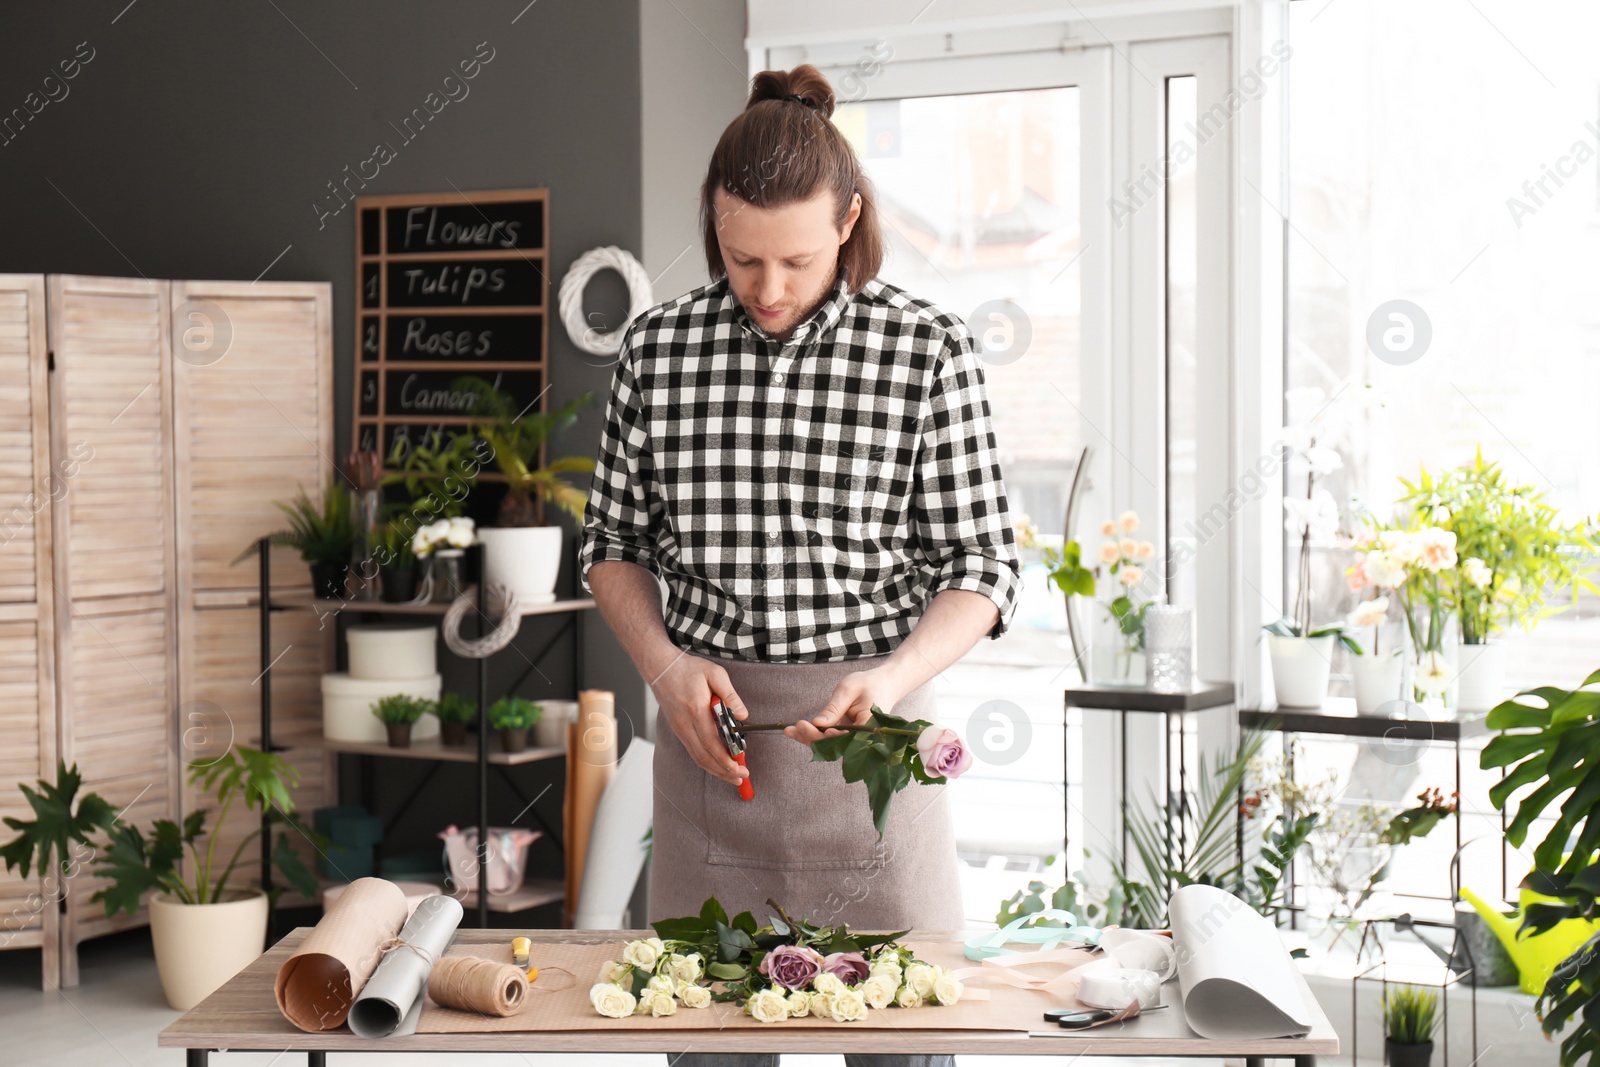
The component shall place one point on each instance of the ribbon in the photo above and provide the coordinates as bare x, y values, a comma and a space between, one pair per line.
983, 946
1129, 970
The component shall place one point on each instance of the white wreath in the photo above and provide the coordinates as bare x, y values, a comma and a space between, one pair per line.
587, 265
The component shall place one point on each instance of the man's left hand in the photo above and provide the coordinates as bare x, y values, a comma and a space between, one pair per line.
851, 704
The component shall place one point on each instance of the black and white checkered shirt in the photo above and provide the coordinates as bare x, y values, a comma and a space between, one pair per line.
803, 501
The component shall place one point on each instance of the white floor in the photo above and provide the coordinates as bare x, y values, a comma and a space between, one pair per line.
113, 1018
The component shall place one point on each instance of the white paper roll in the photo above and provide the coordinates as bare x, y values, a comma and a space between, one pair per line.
395, 988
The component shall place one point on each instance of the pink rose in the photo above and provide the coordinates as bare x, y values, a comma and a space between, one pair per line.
791, 966
943, 753
849, 967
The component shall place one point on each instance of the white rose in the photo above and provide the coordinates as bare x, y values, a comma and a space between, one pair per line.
879, 990
909, 998
613, 971
919, 976
684, 968
799, 1004
768, 1006
889, 965
662, 983
946, 988
830, 984
656, 1003
611, 1000
849, 1007
643, 954
821, 1005
694, 996
459, 532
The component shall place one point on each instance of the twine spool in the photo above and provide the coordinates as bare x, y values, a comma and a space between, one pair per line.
472, 983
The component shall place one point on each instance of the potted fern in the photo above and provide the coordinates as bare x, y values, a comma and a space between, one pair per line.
518, 553
454, 712
514, 717
204, 928
323, 534
397, 712
1410, 1015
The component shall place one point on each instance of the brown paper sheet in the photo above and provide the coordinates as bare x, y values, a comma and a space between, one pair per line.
317, 985
551, 1008
591, 761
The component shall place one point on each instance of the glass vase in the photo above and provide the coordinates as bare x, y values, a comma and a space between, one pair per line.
364, 583
1169, 647
447, 573
1115, 658
1432, 668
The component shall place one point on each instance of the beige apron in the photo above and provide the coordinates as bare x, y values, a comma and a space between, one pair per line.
807, 839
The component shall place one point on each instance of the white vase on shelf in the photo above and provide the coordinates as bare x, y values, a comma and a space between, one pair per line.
1480, 676
1377, 679
1300, 668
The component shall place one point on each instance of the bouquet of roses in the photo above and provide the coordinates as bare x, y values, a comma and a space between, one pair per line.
787, 969
887, 752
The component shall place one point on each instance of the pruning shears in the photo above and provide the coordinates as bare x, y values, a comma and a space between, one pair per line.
728, 727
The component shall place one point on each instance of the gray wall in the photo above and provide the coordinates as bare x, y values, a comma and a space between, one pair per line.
195, 141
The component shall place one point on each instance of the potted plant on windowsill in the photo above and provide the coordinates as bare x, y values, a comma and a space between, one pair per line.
324, 536
203, 928
454, 712
1511, 546
514, 717
1410, 1015
519, 554
397, 713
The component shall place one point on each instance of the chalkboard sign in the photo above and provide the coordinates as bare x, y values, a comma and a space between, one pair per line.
448, 285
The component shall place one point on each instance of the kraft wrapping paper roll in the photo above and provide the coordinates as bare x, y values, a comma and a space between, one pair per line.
317, 985
392, 998
591, 761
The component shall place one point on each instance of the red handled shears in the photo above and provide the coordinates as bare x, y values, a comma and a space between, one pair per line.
727, 726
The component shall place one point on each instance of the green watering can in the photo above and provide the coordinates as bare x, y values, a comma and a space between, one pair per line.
1537, 956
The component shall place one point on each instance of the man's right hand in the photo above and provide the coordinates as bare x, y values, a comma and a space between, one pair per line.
685, 690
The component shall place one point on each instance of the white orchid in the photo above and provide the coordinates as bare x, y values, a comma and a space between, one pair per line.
1369, 612
1318, 515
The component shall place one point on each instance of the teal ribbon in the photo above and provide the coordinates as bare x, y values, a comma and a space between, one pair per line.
987, 945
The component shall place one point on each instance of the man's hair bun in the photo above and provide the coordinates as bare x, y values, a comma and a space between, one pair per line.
804, 81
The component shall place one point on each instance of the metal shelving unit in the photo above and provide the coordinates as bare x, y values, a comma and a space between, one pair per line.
534, 892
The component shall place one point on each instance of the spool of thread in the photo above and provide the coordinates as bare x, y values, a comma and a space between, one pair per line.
1103, 986
472, 983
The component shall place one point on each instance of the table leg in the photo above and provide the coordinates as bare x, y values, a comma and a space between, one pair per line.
197, 1057
316, 1059
1255, 1061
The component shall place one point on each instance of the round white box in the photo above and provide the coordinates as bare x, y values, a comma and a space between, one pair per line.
347, 707
392, 652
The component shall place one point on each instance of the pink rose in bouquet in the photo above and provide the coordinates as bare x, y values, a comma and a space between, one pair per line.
944, 754
791, 966
849, 967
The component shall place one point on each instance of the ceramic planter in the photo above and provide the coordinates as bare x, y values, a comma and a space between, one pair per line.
328, 580
200, 946
1408, 1055
524, 559
453, 733
1377, 680
399, 734
514, 740
551, 729
1300, 667
1480, 676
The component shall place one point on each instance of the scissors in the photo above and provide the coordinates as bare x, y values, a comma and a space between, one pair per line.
1076, 1019
734, 741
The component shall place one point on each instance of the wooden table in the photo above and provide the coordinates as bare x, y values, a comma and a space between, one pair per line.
243, 1016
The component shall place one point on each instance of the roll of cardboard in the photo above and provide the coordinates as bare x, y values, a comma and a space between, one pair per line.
591, 761
317, 985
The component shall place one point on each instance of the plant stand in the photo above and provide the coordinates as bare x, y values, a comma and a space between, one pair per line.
1432, 975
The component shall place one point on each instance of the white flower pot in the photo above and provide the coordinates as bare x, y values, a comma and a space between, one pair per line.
525, 559
200, 946
551, 729
1377, 681
1300, 667
1480, 676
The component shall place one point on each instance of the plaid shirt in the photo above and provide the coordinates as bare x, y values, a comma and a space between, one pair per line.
803, 500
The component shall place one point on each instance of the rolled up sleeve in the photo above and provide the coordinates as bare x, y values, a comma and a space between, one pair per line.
618, 523
961, 525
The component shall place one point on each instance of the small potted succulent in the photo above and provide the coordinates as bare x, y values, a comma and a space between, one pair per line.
1410, 1015
514, 717
323, 534
397, 713
454, 712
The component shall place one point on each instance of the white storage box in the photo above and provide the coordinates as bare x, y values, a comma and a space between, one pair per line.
392, 652
347, 707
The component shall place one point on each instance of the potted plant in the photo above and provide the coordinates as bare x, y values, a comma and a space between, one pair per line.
1410, 1015
203, 928
324, 535
397, 712
436, 475
443, 544
514, 717
1510, 547
1418, 559
454, 712
397, 564
520, 555
1375, 675
1116, 653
